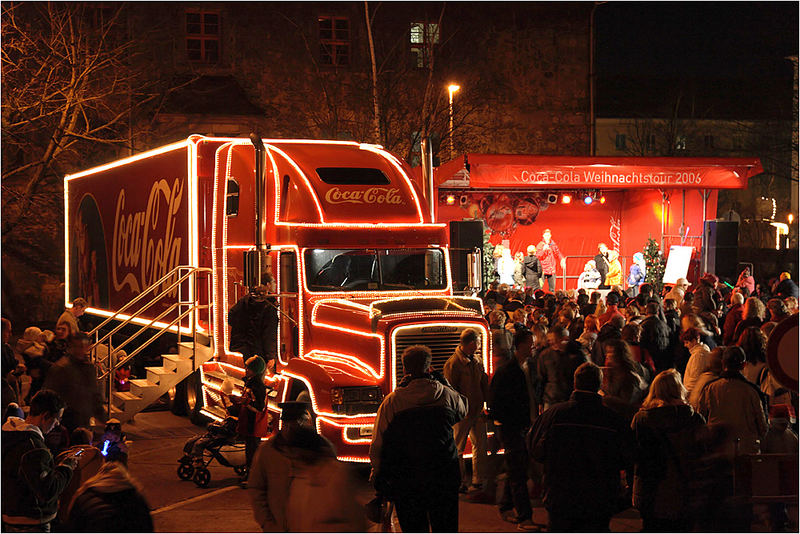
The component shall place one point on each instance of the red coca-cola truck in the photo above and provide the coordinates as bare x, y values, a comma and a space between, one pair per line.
361, 270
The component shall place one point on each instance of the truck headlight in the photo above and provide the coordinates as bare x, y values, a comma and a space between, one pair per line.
356, 399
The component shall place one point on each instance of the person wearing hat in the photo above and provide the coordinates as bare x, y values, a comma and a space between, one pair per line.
705, 296
296, 484
733, 401
249, 405
678, 291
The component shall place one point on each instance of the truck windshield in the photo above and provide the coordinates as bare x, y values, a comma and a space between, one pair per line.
375, 269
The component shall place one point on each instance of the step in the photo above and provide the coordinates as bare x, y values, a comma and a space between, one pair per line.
204, 352
159, 376
126, 400
174, 362
140, 386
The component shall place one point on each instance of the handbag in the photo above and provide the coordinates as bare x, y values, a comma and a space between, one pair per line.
261, 422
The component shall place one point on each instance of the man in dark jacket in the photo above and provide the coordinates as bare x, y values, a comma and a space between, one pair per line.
254, 323
532, 269
580, 489
601, 263
655, 337
610, 330
32, 482
509, 408
413, 453
556, 366
786, 287
75, 381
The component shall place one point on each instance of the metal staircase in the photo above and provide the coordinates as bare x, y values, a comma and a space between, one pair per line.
194, 347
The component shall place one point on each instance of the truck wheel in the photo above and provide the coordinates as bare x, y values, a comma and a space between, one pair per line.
183, 397
304, 396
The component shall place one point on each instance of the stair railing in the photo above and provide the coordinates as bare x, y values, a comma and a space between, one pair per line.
185, 307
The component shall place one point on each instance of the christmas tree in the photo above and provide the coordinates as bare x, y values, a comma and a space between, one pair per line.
655, 264
488, 259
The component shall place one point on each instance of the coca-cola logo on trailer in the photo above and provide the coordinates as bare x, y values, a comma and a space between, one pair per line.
373, 195
145, 247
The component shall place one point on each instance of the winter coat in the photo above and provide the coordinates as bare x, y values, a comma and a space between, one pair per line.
666, 443
110, 502
699, 361
747, 282
732, 320
583, 446
532, 269
733, 401
705, 299
412, 438
624, 391
322, 498
786, 288
275, 464
614, 276
590, 279
743, 325
468, 377
611, 311
607, 332
549, 256
254, 327
76, 383
257, 399
89, 463
519, 277
655, 339
509, 397
601, 262
556, 370
32, 482
635, 276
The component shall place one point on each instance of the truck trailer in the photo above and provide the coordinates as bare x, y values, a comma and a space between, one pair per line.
172, 238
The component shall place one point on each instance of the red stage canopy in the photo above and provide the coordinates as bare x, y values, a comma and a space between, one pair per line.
562, 172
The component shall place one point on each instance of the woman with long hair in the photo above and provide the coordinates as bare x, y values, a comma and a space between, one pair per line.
590, 330
753, 315
623, 386
754, 344
666, 431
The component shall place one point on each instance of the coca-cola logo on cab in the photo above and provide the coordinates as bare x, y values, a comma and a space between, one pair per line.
373, 195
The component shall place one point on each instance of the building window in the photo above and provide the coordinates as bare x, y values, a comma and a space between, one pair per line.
202, 36
620, 142
650, 143
708, 141
334, 40
424, 37
680, 142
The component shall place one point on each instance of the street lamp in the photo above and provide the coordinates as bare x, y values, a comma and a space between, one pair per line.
452, 88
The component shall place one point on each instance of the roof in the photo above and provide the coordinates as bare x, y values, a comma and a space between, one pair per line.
595, 172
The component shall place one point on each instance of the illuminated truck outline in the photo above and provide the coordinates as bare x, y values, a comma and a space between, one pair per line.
345, 339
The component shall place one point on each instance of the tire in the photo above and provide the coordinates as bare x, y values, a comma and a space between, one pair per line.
186, 394
202, 477
185, 471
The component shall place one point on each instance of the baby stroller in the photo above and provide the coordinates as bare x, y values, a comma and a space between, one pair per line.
219, 444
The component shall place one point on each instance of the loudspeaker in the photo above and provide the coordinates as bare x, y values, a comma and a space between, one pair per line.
721, 248
465, 236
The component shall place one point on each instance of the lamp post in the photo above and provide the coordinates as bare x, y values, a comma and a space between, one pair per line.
452, 88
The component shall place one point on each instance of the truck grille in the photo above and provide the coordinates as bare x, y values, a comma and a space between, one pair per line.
442, 340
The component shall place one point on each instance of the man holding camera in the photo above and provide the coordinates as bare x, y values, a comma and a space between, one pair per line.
32, 482
413, 453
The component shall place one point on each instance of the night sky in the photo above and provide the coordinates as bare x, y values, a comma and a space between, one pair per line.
675, 39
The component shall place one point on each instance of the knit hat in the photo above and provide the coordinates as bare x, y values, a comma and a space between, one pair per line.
782, 411
256, 364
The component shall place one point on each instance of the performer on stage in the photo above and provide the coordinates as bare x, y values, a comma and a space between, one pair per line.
601, 263
548, 253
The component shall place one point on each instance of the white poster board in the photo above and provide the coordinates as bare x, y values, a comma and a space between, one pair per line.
677, 263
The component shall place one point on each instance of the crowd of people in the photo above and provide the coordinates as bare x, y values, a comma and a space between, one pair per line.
57, 473
538, 268
599, 404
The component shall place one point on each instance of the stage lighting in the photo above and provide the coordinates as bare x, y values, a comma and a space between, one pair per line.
450, 200
552, 198
602, 200
566, 199
588, 200
463, 200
